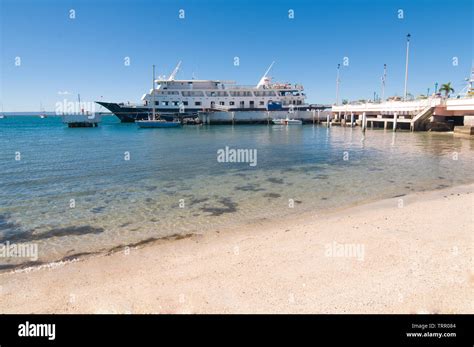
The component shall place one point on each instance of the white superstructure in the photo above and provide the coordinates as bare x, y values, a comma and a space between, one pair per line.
173, 95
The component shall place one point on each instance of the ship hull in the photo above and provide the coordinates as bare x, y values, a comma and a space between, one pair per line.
130, 114
260, 117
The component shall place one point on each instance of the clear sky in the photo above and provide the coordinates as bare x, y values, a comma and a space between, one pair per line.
87, 54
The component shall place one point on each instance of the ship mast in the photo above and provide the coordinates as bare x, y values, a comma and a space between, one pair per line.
468, 90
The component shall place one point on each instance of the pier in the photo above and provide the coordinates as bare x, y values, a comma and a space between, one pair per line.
430, 114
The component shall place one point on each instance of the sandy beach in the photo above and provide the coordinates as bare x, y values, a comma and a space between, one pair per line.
409, 254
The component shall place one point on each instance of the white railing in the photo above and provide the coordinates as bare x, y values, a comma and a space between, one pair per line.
461, 104
391, 106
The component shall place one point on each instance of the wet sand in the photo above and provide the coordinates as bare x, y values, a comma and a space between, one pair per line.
409, 254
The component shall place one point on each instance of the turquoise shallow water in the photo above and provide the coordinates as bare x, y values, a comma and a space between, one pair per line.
120, 201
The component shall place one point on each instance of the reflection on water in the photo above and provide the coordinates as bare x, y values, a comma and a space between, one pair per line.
73, 191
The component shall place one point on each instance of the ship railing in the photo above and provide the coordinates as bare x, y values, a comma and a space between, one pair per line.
131, 104
242, 86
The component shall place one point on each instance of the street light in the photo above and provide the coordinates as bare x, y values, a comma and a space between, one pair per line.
384, 78
406, 67
337, 84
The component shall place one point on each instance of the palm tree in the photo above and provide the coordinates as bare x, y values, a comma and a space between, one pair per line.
446, 88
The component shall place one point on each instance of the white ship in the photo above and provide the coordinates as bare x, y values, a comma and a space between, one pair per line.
171, 97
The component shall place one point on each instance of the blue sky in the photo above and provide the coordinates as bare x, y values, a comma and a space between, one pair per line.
86, 55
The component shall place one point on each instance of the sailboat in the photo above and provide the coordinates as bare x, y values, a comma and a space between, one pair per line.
42, 113
2, 115
154, 121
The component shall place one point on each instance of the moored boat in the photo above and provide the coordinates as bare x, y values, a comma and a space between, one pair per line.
185, 98
287, 121
154, 120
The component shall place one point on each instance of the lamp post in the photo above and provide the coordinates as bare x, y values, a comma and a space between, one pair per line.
153, 93
337, 84
406, 67
384, 78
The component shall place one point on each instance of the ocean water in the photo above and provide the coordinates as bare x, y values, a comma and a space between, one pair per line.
73, 191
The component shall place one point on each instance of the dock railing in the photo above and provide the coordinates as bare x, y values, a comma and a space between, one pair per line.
390, 107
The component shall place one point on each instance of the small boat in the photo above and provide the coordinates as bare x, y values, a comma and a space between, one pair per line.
158, 123
42, 112
154, 120
287, 121
2, 116
192, 121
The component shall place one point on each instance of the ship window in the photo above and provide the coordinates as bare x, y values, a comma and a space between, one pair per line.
157, 103
231, 103
262, 103
222, 103
176, 103
252, 103
242, 104
193, 93
185, 103
165, 103
197, 103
